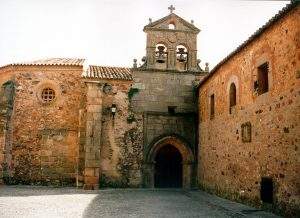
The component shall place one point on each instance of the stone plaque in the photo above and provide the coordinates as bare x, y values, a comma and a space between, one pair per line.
246, 132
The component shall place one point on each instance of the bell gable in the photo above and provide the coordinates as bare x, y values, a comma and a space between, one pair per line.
172, 22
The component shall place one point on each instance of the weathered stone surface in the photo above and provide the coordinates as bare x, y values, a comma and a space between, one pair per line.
161, 89
122, 141
7, 95
44, 137
231, 166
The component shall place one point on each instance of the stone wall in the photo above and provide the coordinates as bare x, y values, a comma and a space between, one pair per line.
153, 92
45, 136
156, 91
160, 124
141, 117
7, 73
233, 166
121, 137
7, 94
159, 89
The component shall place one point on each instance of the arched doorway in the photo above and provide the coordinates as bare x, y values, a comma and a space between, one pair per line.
175, 149
168, 168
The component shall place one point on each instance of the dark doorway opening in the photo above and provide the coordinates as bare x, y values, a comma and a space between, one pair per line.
168, 168
266, 190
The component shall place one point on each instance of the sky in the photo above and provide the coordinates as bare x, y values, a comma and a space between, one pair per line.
110, 32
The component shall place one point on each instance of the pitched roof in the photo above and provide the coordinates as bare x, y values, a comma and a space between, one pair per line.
51, 62
102, 72
153, 24
256, 34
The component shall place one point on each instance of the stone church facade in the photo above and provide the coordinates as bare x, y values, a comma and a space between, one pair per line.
166, 123
63, 123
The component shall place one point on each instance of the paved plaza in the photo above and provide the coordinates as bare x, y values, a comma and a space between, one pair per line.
25, 201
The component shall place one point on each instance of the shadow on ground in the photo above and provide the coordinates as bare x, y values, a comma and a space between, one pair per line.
36, 201
23, 191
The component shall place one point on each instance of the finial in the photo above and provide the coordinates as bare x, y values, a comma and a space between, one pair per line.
206, 67
192, 21
198, 61
134, 63
150, 20
171, 8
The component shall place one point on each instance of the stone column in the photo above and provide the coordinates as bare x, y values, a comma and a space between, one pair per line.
171, 59
148, 175
186, 177
192, 60
150, 57
7, 96
93, 135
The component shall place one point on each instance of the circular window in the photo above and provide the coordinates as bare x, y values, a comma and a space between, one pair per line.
48, 95
107, 88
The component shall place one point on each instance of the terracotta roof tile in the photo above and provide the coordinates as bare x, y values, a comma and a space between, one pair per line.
101, 72
51, 62
54, 61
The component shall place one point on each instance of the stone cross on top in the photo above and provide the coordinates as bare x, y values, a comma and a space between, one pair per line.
171, 8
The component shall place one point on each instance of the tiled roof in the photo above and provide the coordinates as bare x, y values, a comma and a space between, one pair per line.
52, 62
100, 72
256, 34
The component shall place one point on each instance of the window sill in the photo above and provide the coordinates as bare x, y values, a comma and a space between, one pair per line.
261, 97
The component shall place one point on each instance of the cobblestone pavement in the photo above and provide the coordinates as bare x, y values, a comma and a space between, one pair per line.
24, 201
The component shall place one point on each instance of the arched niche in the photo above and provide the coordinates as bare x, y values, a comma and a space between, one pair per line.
182, 55
161, 55
232, 96
233, 93
171, 26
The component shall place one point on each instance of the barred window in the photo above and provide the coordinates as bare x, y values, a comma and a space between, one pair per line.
48, 95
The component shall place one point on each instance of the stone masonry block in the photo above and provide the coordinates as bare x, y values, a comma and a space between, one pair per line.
92, 163
89, 172
92, 93
94, 108
91, 180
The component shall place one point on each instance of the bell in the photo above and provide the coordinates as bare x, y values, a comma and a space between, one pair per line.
182, 57
161, 57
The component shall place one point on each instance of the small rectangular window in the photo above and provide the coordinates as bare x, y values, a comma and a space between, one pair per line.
171, 109
212, 106
262, 84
